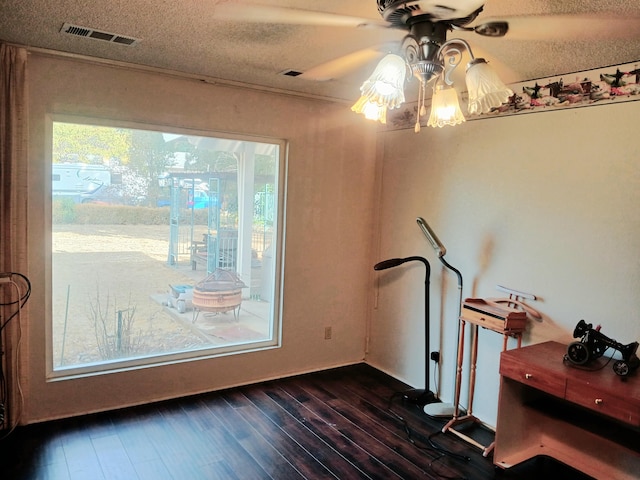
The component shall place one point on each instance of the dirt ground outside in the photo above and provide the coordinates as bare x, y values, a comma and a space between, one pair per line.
100, 270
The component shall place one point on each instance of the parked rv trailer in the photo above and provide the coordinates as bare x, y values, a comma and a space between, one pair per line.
79, 181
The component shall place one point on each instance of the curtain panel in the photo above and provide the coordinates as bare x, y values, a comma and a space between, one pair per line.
13, 224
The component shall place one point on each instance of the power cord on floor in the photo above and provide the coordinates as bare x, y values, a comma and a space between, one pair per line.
9, 419
22, 297
443, 452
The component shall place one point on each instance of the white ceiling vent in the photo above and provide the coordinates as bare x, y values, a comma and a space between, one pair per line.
79, 31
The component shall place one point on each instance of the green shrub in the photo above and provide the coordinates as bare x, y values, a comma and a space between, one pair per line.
63, 210
96, 214
66, 211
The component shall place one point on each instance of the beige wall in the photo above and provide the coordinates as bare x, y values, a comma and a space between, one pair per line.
547, 203
328, 226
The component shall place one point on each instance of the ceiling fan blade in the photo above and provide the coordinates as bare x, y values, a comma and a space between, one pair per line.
253, 13
571, 27
342, 65
492, 29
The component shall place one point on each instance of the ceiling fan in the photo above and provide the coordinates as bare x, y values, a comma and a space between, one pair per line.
425, 25
430, 20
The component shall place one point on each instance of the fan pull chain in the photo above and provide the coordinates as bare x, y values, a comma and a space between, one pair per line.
423, 109
416, 128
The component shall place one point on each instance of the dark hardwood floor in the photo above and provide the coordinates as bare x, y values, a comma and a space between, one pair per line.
345, 423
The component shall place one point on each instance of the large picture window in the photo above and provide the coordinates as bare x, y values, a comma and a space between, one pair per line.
165, 245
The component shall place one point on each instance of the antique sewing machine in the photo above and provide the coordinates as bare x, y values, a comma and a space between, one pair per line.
593, 344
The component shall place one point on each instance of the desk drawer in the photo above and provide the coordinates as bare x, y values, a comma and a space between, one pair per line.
624, 409
534, 376
508, 325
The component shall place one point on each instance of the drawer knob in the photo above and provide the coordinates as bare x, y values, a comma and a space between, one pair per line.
598, 401
528, 376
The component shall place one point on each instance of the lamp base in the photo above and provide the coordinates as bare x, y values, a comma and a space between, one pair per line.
439, 409
419, 396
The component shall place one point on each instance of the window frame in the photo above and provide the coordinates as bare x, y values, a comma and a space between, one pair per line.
54, 374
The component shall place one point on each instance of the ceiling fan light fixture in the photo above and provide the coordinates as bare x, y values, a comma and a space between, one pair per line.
384, 89
445, 107
371, 110
431, 58
426, 70
486, 90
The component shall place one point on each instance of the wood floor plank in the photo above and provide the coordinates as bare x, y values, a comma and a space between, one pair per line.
82, 460
136, 441
373, 394
176, 457
235, 456
98, 424
113, 457
343, 423
275, 407
325, 427
386, 411
349, 422
197, 458
260, 449
295, 453
197, 446
154, 469
381, 418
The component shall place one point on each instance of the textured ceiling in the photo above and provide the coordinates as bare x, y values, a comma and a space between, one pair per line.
210, 37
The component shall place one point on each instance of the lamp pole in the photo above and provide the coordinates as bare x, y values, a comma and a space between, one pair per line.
442, 409
420, 397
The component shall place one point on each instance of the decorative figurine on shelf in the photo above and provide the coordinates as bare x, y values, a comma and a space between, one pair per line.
593, 344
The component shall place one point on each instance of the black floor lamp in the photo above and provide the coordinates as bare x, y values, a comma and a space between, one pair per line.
420, 397
442, 409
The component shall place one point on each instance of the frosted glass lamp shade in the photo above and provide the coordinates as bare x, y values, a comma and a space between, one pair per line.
371, 110
486, 90
385, 86
445, 108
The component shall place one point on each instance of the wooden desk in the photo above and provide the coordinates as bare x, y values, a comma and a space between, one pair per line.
589, 420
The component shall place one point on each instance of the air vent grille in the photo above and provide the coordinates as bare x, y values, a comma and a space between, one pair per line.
87, 32
291, 73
